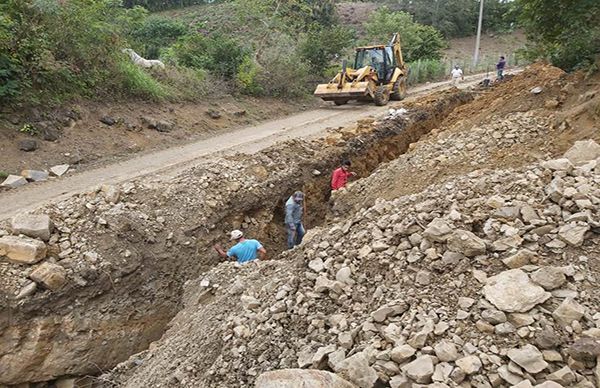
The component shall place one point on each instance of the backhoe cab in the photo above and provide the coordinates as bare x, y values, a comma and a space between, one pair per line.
380, 75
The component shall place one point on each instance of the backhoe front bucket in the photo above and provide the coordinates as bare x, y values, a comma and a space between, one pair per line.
349, 91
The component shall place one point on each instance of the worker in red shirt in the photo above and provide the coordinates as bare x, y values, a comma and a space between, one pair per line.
341, 174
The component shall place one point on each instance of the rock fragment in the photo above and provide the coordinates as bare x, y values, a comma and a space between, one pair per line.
298, 378
529, 358
22, 250
513, 291
13, 181
52, 276
32, 225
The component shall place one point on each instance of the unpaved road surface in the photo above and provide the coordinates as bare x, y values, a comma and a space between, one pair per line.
169, 161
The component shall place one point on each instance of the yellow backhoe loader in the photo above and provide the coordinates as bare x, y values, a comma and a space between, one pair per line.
380, 75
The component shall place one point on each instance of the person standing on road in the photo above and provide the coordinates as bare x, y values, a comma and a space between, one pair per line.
340, 175
294, 211
244, 250
457, 75
500, 68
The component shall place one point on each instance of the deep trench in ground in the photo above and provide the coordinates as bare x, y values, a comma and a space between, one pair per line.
141, 318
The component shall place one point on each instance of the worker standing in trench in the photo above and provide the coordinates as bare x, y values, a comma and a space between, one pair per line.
294, 212
244, 250
340, 175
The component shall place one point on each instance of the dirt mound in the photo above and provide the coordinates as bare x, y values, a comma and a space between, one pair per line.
468, 261
486, 279
124, 252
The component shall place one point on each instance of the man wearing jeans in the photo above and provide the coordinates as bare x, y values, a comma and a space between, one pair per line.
293, 219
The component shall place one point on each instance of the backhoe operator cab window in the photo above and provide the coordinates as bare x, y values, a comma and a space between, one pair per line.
381, 60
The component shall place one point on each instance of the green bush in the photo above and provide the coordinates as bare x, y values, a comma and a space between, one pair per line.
248, 77
218, 54
155, 34
55, 50
418, 41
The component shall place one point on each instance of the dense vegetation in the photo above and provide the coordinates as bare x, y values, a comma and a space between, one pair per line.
53, 50
566, 32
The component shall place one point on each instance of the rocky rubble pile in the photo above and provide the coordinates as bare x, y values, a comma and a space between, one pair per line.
486, 280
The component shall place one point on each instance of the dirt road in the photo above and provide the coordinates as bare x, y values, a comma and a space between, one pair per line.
171, 160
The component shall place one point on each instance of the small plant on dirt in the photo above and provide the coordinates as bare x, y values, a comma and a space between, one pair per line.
29, 129
3, 175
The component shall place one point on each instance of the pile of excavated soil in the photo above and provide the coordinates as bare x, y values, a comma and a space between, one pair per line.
105, 273
506, 126
471, 260
486, 279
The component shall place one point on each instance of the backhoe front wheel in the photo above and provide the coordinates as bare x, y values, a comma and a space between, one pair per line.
399, 89
381, 95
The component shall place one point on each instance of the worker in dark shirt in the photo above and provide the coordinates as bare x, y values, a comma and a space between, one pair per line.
500, 68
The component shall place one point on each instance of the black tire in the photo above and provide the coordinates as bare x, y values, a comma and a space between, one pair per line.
399, 89
381, 96
340, 102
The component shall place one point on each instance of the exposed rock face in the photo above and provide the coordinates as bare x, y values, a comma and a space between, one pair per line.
513, 291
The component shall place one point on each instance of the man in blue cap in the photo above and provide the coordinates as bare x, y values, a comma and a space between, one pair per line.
294, 211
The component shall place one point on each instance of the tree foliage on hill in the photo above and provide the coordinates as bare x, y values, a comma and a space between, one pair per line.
418, 41
567, 32
455, 18
63, 48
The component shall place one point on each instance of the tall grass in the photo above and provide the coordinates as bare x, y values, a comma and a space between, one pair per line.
141, 84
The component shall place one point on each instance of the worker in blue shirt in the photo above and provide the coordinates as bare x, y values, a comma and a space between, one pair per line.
244, 250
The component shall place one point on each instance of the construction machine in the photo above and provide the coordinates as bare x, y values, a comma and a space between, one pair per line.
379, 74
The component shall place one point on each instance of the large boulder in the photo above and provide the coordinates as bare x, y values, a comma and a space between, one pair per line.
512, 291
301, 378
32, 225
466, 243
583, 151
22, 250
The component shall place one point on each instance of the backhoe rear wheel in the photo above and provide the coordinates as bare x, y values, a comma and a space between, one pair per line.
381, 95
340, 102
399, 89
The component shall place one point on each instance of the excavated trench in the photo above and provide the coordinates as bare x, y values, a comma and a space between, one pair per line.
87, 330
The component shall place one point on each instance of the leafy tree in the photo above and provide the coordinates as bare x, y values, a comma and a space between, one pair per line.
418, 41
567, 32
321, 45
